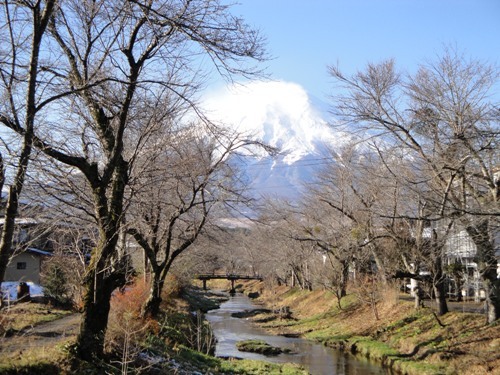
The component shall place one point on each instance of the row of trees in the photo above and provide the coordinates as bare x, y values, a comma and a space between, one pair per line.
100, 97
96, 93
421, 171
435, 136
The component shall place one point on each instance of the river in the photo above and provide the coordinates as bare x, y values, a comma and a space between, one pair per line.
318, 359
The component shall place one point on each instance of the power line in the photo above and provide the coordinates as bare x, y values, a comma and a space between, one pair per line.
298, 163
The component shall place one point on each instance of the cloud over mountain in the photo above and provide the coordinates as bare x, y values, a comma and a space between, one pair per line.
282, 115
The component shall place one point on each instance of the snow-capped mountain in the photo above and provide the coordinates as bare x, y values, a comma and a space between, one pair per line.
282, 115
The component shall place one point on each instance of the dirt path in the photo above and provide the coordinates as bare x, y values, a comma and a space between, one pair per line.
41, 336
466, 307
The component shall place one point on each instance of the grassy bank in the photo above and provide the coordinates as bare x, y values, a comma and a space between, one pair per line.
211, 365
19, 317
133, 346
412, 342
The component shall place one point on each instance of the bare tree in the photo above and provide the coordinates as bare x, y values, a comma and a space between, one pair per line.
410, 217
335, 237
283, 259
117, 57
444, 120
179, 186
23, 26
333, 275
356, 187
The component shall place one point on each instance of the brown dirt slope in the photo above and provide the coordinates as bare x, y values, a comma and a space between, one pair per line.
413, 342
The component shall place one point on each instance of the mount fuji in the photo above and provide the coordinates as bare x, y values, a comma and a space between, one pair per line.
282, 115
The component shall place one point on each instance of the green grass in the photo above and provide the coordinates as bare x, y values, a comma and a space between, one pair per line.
384, 354
371, 349
198, 359
240, 367
421, 368
317, 322
414, 343
251, 367
203, 301
259, 346
292, 292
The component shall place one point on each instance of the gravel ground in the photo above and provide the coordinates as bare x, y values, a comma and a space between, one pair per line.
41, 336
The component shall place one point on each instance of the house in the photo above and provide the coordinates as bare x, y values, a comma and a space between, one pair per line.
31, 247
26, 265
43, 234
460, 249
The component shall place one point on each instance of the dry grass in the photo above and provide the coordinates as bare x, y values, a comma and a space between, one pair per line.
40, 361
413, 341
23, 352
24, 315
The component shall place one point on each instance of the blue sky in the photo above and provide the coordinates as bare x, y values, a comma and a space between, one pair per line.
305, 36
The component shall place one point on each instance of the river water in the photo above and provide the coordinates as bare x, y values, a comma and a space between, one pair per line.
318, 359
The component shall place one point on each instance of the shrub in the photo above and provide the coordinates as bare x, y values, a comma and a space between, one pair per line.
56, 285
126, 328
62, 279
190, 330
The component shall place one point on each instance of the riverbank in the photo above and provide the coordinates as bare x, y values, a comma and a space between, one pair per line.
411, 342
232, 328
408, 341
37, 339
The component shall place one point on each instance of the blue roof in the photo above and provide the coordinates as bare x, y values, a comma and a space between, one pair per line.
38, 251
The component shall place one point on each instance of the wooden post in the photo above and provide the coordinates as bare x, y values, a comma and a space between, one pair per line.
204, 284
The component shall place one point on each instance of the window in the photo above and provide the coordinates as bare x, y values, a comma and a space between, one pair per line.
21, 265
23, 235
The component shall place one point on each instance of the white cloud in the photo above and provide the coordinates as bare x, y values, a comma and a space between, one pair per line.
279, 113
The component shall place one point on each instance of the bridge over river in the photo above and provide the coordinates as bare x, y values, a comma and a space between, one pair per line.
228, 276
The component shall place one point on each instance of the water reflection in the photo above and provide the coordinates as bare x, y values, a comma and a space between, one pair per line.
318, 359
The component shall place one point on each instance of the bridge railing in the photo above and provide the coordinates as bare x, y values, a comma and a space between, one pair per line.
227, 276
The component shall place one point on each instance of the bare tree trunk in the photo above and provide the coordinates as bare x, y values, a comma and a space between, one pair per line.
439, 286
151, 307
373, 304
440, 300
380, 266
7, 235
90, 341
343, 278
100, 282
147, 268
107, 269
40, 20
492, 288
97, 303
2, 174
440, 295
6, 249
487, 267
418, 296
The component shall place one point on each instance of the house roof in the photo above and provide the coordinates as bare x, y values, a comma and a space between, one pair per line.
21, 221
38, 251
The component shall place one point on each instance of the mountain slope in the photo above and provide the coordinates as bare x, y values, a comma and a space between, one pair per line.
282, 115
